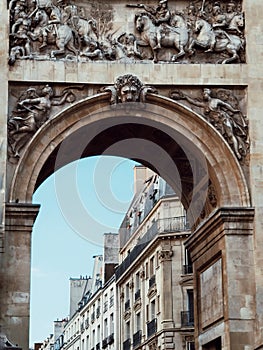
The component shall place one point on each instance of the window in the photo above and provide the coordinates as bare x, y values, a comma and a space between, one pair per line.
98, 334
111, 323
157, 259
190, 345
190, 302
138, 321
147, 313
137, 281
87, 343
146, 271
188, 267
127, 330
127, 292
93, 338
111, 297
153, 312
105, 327
152, 266
158, 304
105, 306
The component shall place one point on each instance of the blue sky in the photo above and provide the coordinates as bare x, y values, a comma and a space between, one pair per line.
79, 203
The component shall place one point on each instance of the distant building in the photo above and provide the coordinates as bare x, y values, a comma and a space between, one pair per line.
56, 340
93, 324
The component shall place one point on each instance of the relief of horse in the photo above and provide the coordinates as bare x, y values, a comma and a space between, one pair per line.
171, 37
236, 22
216, 41
59, 34
87, 30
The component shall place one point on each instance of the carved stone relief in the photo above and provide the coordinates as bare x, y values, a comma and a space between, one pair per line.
128, 88
211, 294
202, 31
220, 107
32, 109
165, 255
32, 106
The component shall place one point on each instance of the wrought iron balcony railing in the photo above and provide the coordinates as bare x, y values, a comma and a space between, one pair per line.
187, 319
111, 339
104, 343
168, 225
137, 339
151, 327
126, 345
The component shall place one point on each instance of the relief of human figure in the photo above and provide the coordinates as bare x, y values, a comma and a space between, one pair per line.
20, 29
228, 120
162, 15
32, 111
93, 52
230, 20
216, 27
129, 44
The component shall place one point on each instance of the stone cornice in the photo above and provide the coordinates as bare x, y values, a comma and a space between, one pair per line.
222, 222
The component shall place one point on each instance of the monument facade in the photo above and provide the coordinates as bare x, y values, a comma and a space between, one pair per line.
173, 84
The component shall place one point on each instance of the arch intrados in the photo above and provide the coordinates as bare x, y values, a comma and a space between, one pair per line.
175, 119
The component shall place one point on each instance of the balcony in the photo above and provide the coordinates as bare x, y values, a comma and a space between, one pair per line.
187, 319
187, 269
151, 327
111, 339
174, 224
137, 339
137, 294
104, 343
127, 305
152, 281
126, 345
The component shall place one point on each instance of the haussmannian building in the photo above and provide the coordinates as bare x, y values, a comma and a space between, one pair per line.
144, 297
154, 278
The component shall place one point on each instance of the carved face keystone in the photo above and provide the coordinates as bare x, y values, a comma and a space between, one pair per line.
128, 93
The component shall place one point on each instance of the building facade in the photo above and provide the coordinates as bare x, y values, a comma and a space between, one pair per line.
148, 301
154, 277
92, 324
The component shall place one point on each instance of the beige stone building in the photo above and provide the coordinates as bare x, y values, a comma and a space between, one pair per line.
88, 78
154, 278
92, 325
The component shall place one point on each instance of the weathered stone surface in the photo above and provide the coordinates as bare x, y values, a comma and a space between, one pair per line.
235, 186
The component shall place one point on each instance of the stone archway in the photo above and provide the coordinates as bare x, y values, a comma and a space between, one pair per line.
92, 127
